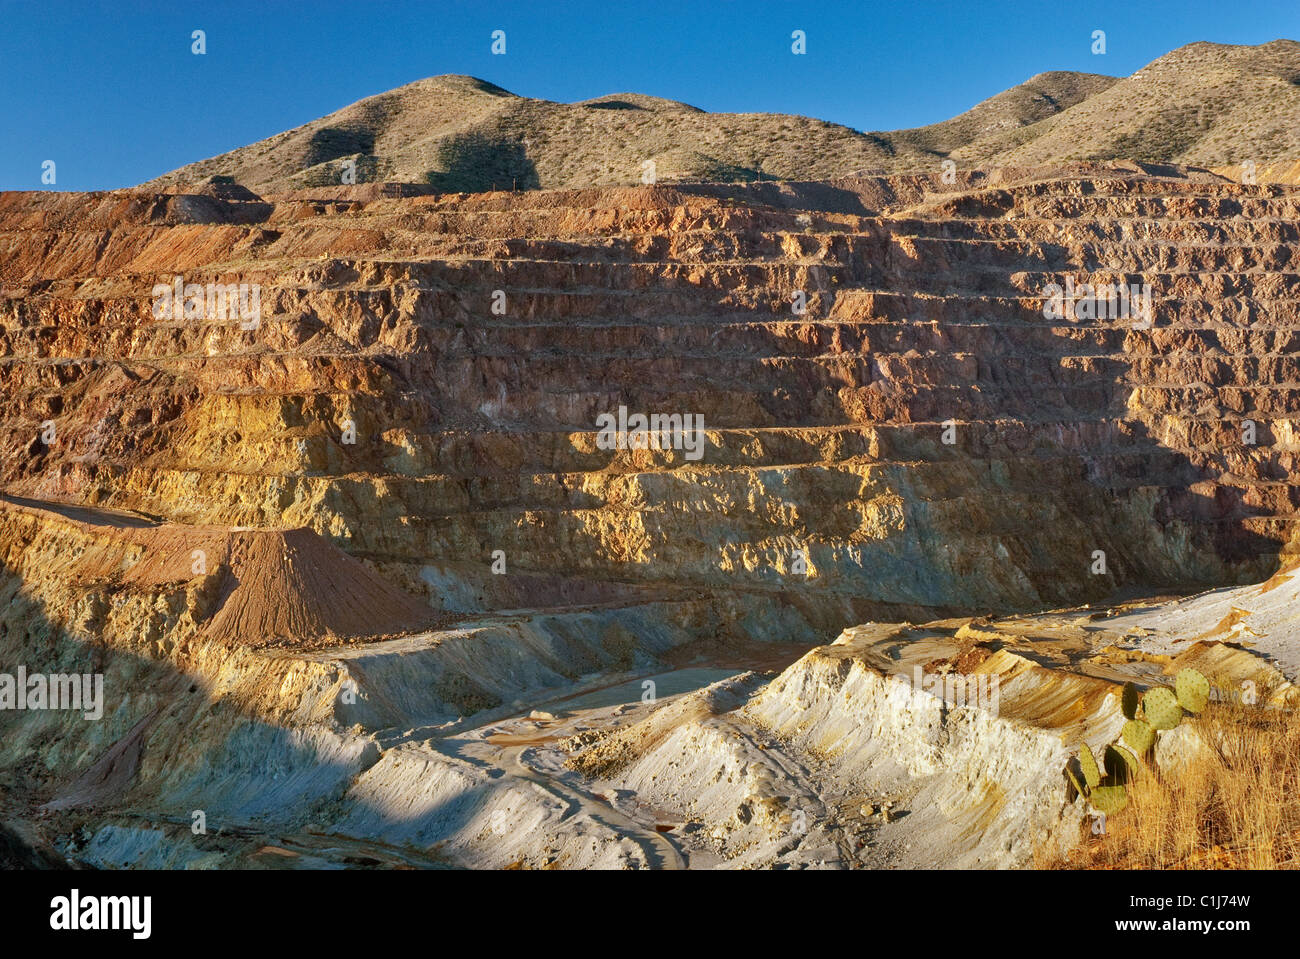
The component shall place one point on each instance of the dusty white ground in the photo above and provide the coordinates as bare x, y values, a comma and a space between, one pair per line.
836, 760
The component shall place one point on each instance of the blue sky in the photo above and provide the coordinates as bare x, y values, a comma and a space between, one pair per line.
112, 93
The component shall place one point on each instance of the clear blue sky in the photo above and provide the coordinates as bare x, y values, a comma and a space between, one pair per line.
111, 92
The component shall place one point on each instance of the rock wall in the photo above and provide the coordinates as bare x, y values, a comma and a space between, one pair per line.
476, 429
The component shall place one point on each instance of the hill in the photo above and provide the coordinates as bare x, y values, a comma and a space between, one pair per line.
462, 134
1204, 104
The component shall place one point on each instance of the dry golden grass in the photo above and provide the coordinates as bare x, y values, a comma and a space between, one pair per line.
1236, 806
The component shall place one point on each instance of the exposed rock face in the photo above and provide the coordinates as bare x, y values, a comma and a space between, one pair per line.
824, 429
892, 430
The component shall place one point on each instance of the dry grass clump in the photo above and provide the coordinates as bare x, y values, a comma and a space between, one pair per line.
1236, 805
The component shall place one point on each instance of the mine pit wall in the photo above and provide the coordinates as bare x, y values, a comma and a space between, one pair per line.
888, 540
471, 444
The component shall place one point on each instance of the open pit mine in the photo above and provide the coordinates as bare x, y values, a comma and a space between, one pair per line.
632, 527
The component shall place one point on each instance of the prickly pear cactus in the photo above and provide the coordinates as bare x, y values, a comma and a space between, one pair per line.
1139, 736
1193, 690
1076, 779
1123, 765
1109, 799
1129, 701
1091, 772
1161, 708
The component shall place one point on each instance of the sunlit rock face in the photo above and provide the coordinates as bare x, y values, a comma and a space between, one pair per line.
887, 402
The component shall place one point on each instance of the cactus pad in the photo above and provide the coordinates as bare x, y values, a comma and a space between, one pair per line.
1076, 780
1161, 708
1193, 690
1109, 799
1123, 765
1139, 736
1088, 762
1129, 701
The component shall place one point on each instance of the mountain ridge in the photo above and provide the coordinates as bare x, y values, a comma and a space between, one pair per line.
1204, 104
